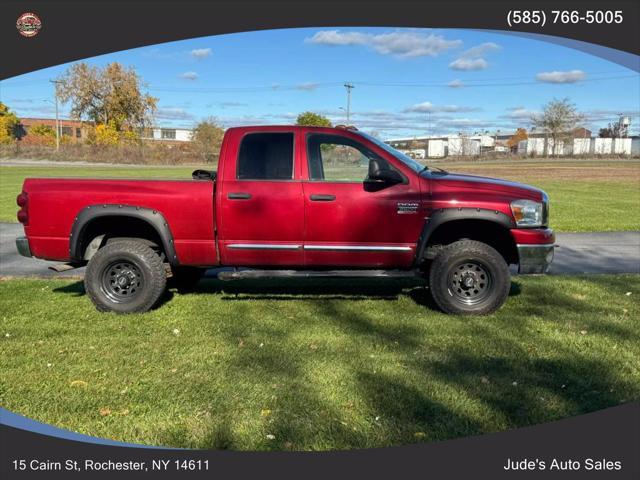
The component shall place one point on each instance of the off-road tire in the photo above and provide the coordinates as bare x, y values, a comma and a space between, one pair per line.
185, 279
130, 262
469, 278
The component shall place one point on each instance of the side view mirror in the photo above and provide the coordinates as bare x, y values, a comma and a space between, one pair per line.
385, 177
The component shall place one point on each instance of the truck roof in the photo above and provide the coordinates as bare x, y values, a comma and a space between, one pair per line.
293, 127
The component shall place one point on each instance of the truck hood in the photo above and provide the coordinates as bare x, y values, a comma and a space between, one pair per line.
473, 182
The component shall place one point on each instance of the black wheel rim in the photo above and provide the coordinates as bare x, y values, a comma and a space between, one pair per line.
122, 281
470, 282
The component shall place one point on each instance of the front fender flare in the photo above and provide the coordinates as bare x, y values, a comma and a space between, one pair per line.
153, 217
444, 215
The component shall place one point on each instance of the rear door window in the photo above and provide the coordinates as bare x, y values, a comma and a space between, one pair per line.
266, 156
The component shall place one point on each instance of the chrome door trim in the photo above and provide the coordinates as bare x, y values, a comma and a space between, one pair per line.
365, 248
262, 246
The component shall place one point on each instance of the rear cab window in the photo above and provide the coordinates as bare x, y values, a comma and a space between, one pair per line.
266, 156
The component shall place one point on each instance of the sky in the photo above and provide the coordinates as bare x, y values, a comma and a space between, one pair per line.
407, 82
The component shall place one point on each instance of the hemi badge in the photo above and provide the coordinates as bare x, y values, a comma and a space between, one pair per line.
405, 208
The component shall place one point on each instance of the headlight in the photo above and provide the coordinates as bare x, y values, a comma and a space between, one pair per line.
528, 213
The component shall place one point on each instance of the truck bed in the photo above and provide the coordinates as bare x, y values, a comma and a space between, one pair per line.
55, 203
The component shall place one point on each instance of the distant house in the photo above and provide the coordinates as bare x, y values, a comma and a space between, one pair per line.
166, 134
75, 130
78, 131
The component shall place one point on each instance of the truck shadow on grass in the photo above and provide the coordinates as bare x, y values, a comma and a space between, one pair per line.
375, 380
303, 290
418, 387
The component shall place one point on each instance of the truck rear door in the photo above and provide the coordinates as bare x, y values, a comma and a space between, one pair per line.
261, 203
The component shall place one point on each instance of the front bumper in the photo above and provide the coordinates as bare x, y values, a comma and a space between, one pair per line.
535, 258
22, 244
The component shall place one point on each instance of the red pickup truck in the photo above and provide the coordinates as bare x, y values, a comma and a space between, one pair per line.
291, 200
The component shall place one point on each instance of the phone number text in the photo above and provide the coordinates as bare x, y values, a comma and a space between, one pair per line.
540, 17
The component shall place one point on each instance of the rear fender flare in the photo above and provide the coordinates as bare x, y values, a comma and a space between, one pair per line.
445, 215
92, 212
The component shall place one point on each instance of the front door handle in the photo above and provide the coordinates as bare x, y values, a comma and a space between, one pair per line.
239, 196
321, 197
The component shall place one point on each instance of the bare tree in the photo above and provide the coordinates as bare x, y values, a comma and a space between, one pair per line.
558, 120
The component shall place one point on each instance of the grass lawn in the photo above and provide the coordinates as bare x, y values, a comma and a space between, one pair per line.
317, 365
588, 196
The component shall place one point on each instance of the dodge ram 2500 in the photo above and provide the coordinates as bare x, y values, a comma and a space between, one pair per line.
297, 201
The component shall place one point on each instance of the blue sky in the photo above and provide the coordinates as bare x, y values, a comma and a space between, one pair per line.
407, 81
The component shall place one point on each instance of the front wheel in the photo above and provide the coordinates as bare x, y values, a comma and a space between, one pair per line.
125, 277
469, 278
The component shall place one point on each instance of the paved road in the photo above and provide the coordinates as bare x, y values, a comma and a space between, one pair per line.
607, 252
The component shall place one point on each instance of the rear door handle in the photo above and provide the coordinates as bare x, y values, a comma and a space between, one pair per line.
321, 197
239, 196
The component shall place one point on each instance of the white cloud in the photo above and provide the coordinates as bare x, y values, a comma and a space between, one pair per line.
520, 113
423, 107
481, 50
428, 107
473, 58
468, 64
308, 86
457, 83
188, 76
338, 38
173, 113
399, 44
464, 123
412, 44
571, 76
200, 53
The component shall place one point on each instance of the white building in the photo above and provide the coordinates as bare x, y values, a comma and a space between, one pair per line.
577, 146
167, 134
452, 145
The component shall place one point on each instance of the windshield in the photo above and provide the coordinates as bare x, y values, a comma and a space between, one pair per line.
408, 161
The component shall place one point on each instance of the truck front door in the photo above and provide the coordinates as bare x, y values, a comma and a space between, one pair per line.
261, 205
352, 221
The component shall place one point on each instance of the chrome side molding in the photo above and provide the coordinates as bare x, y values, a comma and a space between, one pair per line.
263, 246
343, 248
355, 248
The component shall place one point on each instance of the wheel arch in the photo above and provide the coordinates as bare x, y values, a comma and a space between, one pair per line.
447, 225
146, 223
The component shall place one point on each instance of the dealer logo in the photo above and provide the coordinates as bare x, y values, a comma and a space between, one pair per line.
28, 24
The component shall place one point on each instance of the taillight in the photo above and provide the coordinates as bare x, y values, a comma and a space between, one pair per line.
23, 202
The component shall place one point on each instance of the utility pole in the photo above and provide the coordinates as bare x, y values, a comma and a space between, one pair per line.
348, 86
55, 90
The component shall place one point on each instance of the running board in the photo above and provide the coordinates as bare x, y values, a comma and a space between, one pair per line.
63, 267
243, 274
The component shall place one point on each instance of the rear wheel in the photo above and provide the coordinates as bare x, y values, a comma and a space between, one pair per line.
125, 277
469, 277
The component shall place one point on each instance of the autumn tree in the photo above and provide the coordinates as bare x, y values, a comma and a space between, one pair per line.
207, 138
8, 124
558, 119
516, 138
42, 130
109, 95
311, 119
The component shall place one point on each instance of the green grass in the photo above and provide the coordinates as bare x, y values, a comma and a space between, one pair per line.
596, 206
318, 365
585, 196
